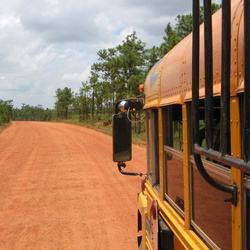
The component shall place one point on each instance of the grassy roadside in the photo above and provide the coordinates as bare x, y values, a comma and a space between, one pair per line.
102, 126
3, 126
106, 128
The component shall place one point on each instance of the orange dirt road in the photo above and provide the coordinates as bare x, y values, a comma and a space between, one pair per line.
60, 189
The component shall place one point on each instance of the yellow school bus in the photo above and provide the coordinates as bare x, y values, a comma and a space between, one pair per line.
196, 100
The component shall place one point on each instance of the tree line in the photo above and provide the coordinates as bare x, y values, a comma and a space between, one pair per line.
5, 111
119, 71
116, 75
25, 113
32, 113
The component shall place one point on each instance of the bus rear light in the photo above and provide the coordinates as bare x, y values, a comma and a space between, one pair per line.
143, 186
154, 224
154, 209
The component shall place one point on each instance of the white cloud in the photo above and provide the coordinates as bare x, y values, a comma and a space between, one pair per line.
9, 21
50, 44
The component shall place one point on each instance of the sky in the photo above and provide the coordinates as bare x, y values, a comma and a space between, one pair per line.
51, 44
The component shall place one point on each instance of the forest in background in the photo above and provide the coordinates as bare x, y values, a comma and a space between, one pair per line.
116, 75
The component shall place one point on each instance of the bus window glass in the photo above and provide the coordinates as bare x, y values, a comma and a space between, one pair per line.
174, 177
152, 146
211, 213
173, 167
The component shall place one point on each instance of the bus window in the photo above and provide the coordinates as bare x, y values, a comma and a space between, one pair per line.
211, 216
216, 124
152, 146
173, 166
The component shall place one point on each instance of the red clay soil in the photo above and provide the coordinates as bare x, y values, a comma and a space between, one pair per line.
60, 189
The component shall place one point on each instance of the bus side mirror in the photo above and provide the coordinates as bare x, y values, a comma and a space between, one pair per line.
122, 138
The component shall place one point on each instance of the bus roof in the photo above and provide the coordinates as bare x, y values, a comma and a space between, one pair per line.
170, 80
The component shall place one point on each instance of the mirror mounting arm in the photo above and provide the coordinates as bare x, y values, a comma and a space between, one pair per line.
121, 165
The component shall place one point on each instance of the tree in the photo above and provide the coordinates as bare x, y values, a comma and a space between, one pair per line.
182, 29
31, 113
64, 100
118, 72
184, 25
82, 101
170, 40
152, 56
5, 111
133, 61
93, 80
107, 71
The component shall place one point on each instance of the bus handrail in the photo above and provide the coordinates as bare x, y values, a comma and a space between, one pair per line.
226, 159
197, 149
232, 189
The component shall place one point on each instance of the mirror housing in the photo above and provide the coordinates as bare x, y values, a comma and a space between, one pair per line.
128, 105
122, 132
122, 138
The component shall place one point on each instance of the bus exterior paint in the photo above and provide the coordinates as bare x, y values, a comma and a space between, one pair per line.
180, 206
170, 82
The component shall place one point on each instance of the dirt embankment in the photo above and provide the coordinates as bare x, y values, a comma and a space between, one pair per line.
59, 189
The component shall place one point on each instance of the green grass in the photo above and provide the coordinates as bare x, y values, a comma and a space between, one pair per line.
105, 127
3, 126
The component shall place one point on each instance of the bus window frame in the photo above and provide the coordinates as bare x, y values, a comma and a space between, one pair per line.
216, 171
170, 150
152, 147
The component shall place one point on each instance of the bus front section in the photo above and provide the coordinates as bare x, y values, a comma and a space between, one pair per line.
195, 194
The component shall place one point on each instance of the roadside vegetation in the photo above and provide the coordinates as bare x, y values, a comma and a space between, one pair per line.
116, 75
5, 114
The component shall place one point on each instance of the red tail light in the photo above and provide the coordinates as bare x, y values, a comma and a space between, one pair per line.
143, 186
154, 209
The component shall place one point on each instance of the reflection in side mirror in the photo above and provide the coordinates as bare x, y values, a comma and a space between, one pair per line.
121, 138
